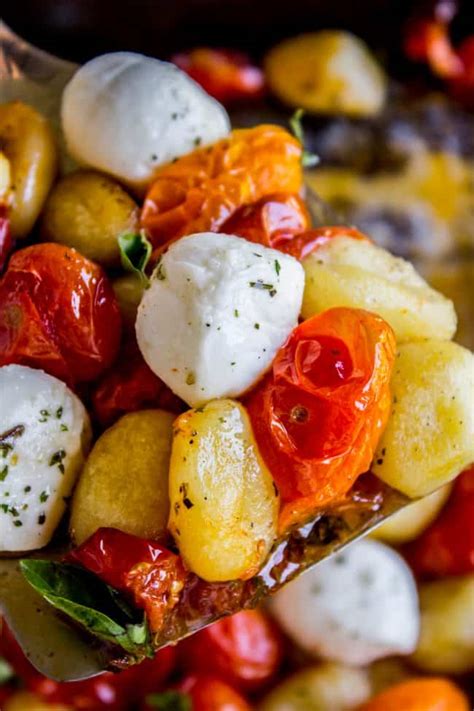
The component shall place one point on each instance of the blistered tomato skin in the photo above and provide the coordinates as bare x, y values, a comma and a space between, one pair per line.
306, 242
200, 191
147, 571
447, 546
131, 386
224, 74
244, 649
319, 414
210, 693
272, 221
58, 312
429, 694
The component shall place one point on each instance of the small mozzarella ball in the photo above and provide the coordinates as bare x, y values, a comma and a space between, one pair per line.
356, 607
127, 114
217, 311
44, 436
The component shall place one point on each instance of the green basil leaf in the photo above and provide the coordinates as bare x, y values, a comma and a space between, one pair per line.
170, 701
308, 159
135, 253
6, 671
90, 602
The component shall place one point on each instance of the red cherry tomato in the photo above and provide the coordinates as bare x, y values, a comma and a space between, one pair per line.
131, 386
209, 693
58, 312
144, 569
97, 694
244, 650
462, 87
6, 242
319, 414
224, 74
5, 692
271, 221
304, 244
446, 547
427, 40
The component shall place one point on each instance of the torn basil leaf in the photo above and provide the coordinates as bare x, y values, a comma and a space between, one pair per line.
135, 253
170, 701
91, 603
308, 160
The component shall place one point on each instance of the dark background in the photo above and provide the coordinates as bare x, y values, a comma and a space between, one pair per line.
79, 29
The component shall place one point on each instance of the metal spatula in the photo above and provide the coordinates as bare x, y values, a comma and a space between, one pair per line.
63, 652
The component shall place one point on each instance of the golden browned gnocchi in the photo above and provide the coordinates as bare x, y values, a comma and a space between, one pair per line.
224, 505
411, 521
28, 143
327, 72
429, 437
446, 644
124, 483
87, 210
324, 687
358, 274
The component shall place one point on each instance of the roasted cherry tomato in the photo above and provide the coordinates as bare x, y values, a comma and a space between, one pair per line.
148, 572
6, 242
200, 191
462, 86
320, 412
427, 40
446, 547
131, 386
225, 74
302, 245
271, 221
245, 649
429, 694
200, 693
58, 312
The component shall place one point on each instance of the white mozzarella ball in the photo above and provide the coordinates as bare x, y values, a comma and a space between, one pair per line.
44, 435
217, 311
358, 606
127, 114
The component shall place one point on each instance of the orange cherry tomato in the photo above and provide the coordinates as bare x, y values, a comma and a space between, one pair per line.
319, 414
143, 569
446, 547
225, 74
58, 312
428, 694
131, 386
304, 244
200, 191
272, 221
245, 650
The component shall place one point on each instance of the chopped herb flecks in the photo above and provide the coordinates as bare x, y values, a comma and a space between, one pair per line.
57, 459
260, 284
277, 267
190, 378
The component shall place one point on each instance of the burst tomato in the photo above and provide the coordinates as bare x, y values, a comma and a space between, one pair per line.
200, 191
225, 74
430, 694
58, 312
462, 86
427, 40
446, 547
271, 221
319, 414
304, 244
148, 572
245, 649
131, 386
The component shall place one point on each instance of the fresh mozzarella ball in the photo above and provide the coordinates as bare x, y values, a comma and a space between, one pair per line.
217, 311
44, 435
358, 606
127, 114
